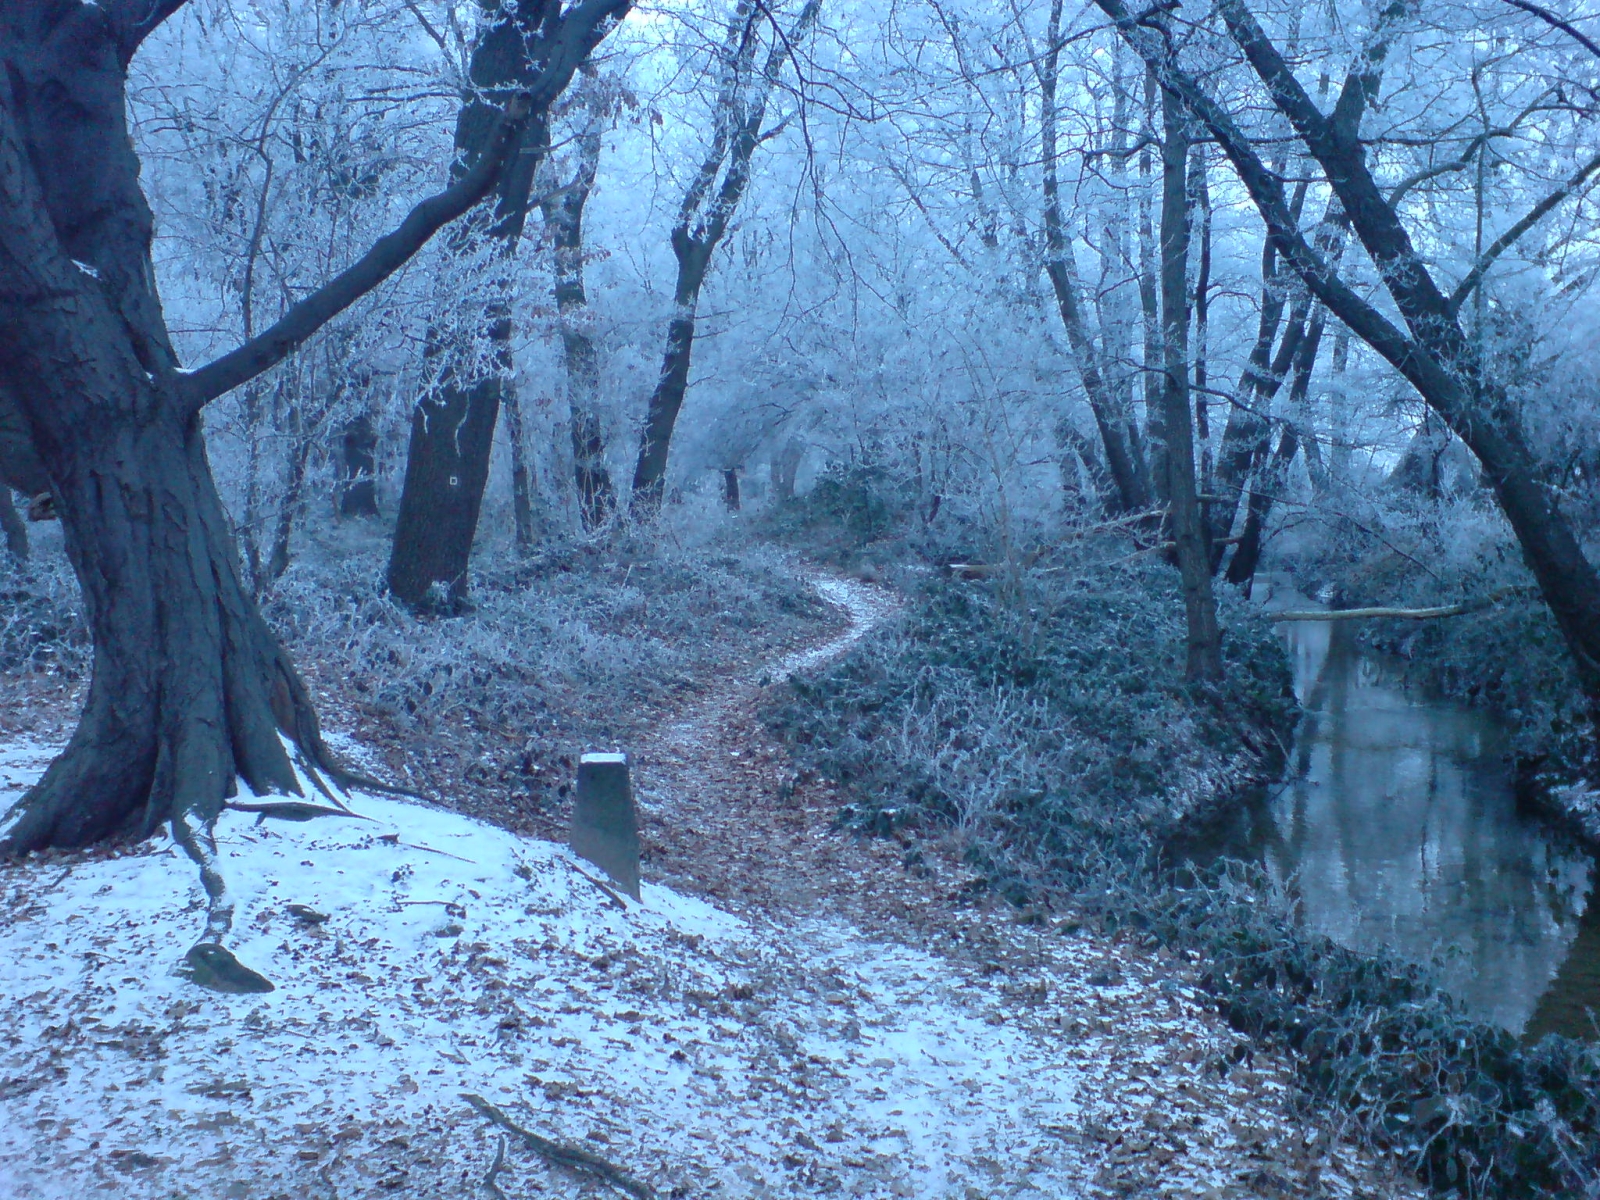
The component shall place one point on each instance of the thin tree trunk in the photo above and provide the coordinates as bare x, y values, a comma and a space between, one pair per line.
291, 509
785, 468
521, 476
1193, 553
1127, 471
12, 526
1274, 477
563, 216
1149, 299
702, 220
358, 468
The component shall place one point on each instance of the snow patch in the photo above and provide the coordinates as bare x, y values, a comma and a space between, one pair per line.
434, 955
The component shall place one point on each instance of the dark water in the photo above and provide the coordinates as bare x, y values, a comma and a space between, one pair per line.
1396, 827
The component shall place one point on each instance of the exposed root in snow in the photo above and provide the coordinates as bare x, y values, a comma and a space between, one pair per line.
575, 1158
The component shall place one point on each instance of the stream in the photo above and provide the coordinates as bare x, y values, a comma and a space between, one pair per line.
1396, 827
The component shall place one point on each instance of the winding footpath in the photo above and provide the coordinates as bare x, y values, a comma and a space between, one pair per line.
789, 1012
1109, 1032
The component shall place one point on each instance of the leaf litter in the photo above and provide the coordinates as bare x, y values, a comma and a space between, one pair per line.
858, 1037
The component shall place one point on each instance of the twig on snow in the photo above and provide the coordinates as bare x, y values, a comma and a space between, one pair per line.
394, 840
574, 1158
615, 899
489, 1185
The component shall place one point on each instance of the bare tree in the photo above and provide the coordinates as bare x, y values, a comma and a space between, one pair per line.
191, 692
703, 217
1191, 543
1432, 352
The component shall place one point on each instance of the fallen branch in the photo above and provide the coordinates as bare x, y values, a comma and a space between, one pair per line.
489, 1185
574, 1158
1401, 614
1356, 614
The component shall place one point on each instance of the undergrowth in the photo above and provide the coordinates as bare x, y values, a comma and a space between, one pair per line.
1046, 721
576, 649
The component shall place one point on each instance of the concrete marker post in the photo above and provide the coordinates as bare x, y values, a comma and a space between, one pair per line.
605, 823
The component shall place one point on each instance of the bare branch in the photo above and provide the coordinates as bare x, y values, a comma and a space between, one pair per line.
1404, 614
387, 255
581, 30
1509, 238
1549, 18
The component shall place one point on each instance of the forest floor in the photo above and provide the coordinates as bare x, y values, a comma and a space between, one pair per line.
790, 1011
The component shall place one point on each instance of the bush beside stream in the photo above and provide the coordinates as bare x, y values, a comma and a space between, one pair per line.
1045, 720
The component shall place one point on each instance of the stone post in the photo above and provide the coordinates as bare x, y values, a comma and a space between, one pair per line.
605, 825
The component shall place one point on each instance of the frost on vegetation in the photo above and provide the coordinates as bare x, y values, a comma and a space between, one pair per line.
1046, 726
42, 627
567, 651
1049, 724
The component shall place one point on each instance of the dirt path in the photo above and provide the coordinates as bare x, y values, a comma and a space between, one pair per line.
833, 1024
1170, 1102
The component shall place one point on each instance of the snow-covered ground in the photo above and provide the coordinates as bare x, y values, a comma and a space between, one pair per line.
697, 1051
821, 1050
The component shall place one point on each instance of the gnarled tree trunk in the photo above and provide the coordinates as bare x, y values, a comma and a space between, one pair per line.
191, 692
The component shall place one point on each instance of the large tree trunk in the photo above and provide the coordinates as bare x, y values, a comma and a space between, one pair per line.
447, 469
190, 689
191, 693
1188, 532
452, 428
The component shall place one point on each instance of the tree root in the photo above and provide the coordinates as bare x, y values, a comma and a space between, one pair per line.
610, 893
574, 1158
293, 810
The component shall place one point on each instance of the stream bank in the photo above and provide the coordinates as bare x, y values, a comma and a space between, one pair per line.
1397, 828
1045, 730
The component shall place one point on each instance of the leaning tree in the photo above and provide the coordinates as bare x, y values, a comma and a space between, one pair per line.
191, 693
1430, 346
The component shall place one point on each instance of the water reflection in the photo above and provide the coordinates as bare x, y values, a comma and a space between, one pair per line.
1398, 823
